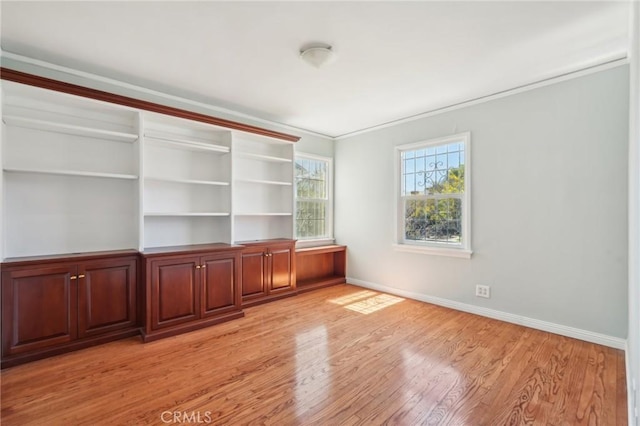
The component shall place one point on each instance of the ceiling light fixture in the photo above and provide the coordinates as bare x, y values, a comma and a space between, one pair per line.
318, 56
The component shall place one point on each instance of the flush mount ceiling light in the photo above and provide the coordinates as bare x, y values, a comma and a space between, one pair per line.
318, 56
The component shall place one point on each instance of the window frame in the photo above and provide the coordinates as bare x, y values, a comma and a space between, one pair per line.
462, 250
329, 237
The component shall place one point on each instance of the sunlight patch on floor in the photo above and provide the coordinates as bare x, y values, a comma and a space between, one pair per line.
373, 304
353, 297
366, 301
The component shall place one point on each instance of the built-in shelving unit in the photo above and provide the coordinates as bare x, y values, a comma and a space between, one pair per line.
187, 182
70, 173
263, 188
93, 182
82, 175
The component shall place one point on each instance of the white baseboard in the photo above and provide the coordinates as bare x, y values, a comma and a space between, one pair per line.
563, 330
630, 400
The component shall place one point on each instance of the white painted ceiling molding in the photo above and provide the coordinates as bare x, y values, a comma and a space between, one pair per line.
397, 59
597, 68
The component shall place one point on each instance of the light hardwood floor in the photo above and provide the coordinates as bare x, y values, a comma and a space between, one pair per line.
337, 356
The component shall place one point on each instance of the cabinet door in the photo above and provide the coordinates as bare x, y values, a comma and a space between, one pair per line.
106, 296
219, 284
253, 273
175, 291
280, 260
39, 308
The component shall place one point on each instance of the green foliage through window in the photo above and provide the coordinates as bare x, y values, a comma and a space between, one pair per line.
432, 191
311, 176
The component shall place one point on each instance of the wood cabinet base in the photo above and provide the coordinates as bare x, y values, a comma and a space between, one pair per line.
319, 267
268, 270
326, 282
55, 304
266, 299
190, 287
175, 330
13, 360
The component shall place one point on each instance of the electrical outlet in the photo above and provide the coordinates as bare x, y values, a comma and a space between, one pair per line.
483, 291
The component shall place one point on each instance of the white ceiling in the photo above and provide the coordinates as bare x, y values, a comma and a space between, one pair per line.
395, 59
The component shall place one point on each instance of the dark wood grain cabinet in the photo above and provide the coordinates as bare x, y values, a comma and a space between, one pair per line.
268, 270
318, 267
55, 304
107, 296
190, 287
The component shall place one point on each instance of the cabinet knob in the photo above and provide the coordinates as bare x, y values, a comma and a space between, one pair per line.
81, 276
197, 266
73, 277
204, 266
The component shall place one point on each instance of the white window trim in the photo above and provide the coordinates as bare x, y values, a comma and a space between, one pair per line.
329, 239
434, 248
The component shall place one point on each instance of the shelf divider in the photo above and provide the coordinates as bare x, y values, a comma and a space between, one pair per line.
65, 172
183, 143
68, 129
188, 181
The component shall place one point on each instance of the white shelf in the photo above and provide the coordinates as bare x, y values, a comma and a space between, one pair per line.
264, 157
185, 214
63, 172
188, 181
265, 182
70, 129
180, 143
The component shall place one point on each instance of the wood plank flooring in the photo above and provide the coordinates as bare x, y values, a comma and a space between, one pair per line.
342, 355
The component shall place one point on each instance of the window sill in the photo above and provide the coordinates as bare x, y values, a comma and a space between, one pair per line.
315, 243
435, 251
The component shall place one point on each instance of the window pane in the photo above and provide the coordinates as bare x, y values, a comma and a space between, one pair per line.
453, 160
434, 170
431, 192
310, 219
441, 149
433, 220
410, 166
311, 198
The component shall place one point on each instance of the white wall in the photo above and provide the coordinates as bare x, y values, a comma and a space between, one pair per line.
633, 342
549, 205
310, 144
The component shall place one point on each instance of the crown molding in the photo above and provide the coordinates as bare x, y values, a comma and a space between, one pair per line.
613, 63
128, 87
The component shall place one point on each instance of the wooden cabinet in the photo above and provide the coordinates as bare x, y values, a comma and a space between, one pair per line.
318, 267
268, 270
55, 304
190, 287
102, 281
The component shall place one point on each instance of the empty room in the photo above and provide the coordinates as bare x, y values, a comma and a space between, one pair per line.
320, 213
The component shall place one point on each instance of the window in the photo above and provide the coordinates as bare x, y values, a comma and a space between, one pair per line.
433, 201
313, 198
